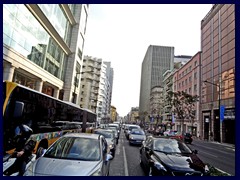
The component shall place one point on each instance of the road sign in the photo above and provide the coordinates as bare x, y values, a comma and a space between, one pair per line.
222, 110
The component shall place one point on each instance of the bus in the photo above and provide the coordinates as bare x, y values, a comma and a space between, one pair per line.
48, 117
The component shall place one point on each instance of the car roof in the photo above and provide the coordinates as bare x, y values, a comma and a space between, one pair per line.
164, 137
113, 124
84, 135
107, 130
133, 125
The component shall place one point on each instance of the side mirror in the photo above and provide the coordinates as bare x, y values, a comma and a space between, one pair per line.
195, 151
40, 152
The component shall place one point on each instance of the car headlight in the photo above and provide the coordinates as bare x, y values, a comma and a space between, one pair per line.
97, 173
159, 166
130, 137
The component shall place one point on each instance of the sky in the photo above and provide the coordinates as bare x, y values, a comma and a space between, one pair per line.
121, 34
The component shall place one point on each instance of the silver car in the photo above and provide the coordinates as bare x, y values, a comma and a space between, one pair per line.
137, 136
74, 154
110, 138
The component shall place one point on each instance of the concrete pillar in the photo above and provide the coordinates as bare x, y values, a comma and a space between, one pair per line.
56, 93
8, 71
39, 85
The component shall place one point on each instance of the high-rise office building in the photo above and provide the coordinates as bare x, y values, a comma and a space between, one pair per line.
43, 47
157, 60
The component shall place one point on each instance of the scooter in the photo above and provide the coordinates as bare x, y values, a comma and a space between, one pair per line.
8, 161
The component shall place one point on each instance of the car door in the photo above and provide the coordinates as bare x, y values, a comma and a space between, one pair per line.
146, 151
105, 165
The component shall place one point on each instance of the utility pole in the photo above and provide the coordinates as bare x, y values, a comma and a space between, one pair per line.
219, 105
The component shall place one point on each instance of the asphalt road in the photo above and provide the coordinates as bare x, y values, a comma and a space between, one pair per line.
221, 156
126, 161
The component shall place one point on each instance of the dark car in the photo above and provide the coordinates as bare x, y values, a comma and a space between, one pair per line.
110, 138
161, 156
74, 154
137, 136
130, 127
187, 137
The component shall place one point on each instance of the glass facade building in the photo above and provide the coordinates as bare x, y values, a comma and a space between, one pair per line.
218, 69
43, 46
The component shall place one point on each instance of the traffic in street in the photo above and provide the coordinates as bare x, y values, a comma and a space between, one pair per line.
127, 157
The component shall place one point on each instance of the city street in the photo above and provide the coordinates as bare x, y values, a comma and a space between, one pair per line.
221, 156
126, 161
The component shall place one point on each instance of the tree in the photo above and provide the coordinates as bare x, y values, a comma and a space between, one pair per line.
182, 105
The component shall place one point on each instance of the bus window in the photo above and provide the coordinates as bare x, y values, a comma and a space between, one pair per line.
40, 111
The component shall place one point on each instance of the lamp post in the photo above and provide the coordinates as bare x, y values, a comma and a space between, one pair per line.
219, 106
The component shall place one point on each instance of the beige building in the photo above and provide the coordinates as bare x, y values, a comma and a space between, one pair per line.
156, 103
134, 115
113, 114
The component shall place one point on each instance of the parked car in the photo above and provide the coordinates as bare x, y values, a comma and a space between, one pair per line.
169, 132
137, 136
74, 154
171, 157
115, 125
187, 137
175, 134
114, 129
110, 138
129, 129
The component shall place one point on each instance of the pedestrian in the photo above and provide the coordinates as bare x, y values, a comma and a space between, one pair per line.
23, 151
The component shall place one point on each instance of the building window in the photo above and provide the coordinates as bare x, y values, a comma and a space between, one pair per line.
195, 87
195, 75
190, 79
79, 53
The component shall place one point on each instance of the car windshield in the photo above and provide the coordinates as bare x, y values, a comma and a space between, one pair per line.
133, 127
137, 132
170, 146
75, 148
106, 134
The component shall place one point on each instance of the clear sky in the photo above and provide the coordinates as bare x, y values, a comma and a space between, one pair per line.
121, 34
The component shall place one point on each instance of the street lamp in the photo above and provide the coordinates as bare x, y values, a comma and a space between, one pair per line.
219, 106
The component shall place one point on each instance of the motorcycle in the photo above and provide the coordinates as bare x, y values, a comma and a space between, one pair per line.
8, 161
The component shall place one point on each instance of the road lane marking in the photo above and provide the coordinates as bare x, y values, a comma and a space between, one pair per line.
125, 162
223, 171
